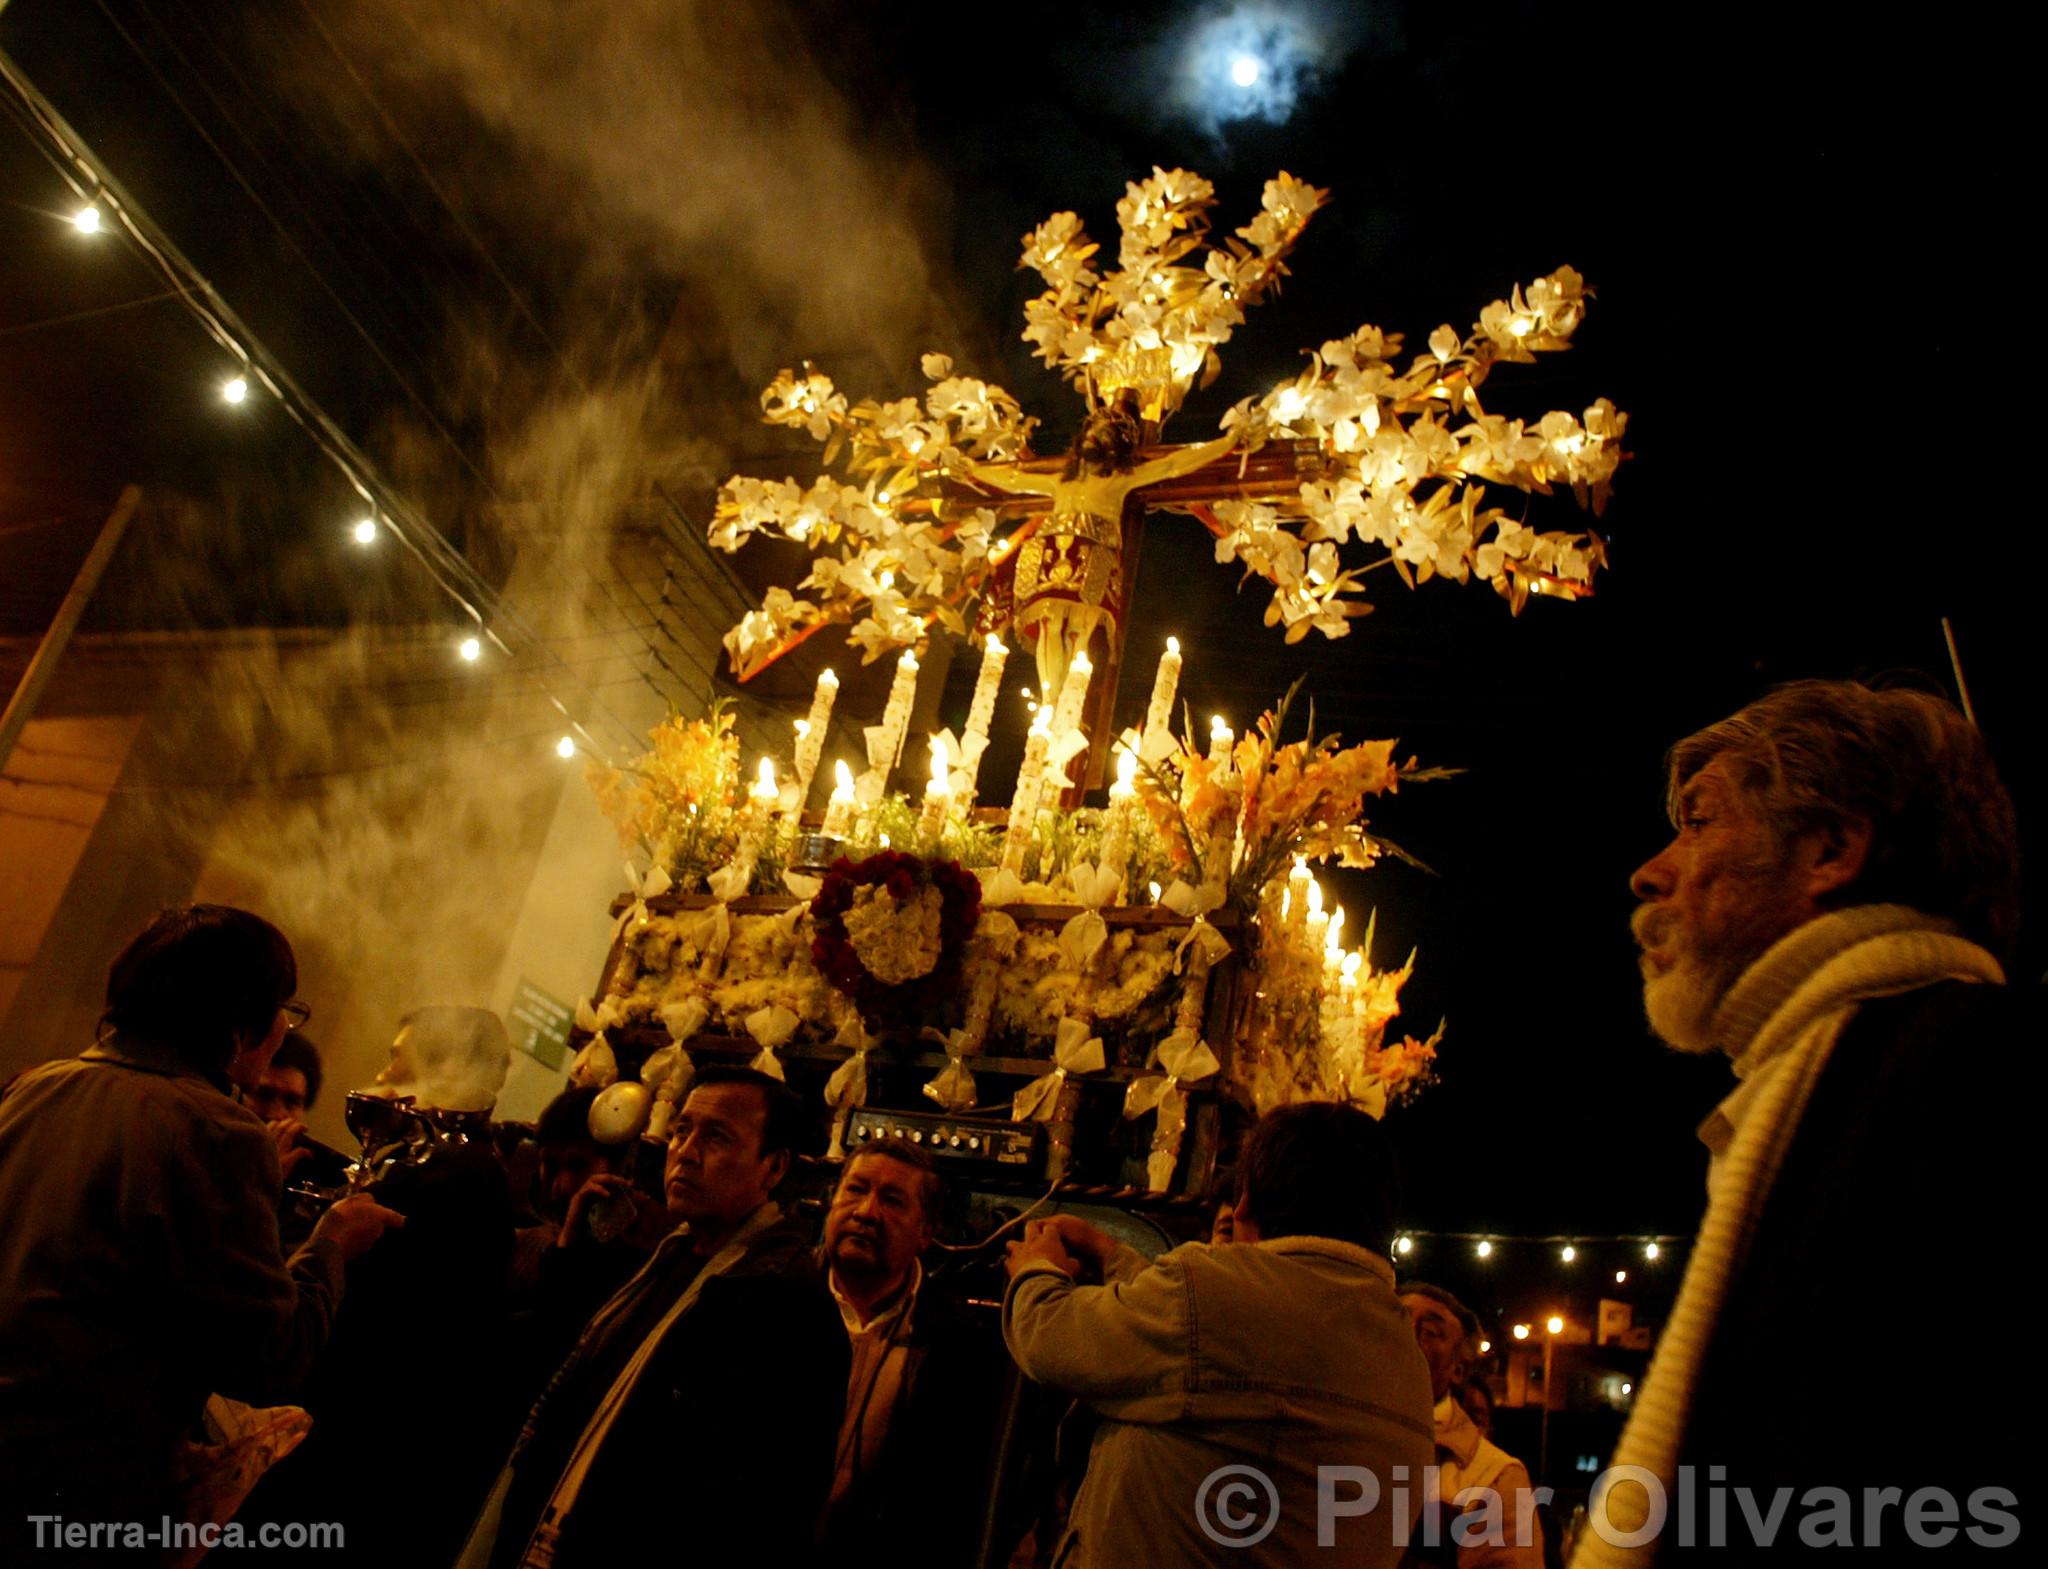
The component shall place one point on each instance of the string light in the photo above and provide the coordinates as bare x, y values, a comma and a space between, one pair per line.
105, 205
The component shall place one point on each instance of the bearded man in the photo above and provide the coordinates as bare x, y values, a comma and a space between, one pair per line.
1831, 916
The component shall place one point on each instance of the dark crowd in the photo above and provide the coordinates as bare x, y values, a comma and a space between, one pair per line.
511, 1347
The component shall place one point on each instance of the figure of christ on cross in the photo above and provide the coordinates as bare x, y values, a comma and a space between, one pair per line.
1072, 574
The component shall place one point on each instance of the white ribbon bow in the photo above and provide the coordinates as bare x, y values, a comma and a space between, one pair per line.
1081, 939
1074, 1051
652, 886
1183, 899
596, 1066
1187, 1059
1060, 751
1093, 886
1210, 944
953, 1088
1001, 887
685, 1018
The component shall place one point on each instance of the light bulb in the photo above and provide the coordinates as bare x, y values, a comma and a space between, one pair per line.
1554, 1324
470, 649
1404, 1245
1484, 1250
566, 747
365, 532
86, 220
235, 389
1521, 1331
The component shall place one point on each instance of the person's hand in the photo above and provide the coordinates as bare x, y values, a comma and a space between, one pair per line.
291, 1154
1041, 1244
1085, 1242
355, 1224
612, 1186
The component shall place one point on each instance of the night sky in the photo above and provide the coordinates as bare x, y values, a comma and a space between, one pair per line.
1808, 302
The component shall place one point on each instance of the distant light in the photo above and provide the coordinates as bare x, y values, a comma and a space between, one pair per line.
1484, 1250
1244, 70
235, 389
566, 747
1650, 1251
1521, 1331
1554, 1324
365, 532
1628, 1389
1568, 1253
86, 220
1621, 1277
1485, 1346
470, 649
1154, 890
1404, 1245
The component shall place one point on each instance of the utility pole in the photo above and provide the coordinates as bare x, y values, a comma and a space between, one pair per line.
44, 664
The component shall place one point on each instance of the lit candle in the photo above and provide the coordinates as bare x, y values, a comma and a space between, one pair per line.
938, 796
1333, 947
1294, 903
1220, 738
1318, 924
994, 655
753, 824
810, 735
1116, 822
885, 743
1024, 802
839, 810
1159, 712
1066, 715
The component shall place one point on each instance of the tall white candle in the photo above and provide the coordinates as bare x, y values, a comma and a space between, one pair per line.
885, 749
1220, 739
1165, 686
839, 810
1024, 803
938, 796
987, 686
810, 734
1116, 824
1066, 715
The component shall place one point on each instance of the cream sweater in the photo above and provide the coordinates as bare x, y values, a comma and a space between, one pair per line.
1779, 1023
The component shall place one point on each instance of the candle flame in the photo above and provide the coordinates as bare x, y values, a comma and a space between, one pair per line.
827, 678
908, 661
1315, 898
842, 781
803, 728
995, 646
765, 788
1330, 944
1173, 646
1353, 962
1126, 774
1217, 728
940, 780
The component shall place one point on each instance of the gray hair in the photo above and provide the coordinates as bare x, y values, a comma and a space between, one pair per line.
1815, 755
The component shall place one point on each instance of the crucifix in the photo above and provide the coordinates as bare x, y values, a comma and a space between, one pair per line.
946, 519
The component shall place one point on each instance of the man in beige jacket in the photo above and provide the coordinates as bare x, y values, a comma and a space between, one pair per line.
1263, 1402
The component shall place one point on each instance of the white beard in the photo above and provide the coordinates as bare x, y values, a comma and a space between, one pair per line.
1681, 1004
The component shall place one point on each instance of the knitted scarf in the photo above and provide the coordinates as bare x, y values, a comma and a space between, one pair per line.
1779, 1023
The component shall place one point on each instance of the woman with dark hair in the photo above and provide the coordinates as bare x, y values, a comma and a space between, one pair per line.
139, 1262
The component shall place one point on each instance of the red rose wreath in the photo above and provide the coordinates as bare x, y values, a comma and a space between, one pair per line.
890, 932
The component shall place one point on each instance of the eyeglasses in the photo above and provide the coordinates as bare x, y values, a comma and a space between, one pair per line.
295, 1013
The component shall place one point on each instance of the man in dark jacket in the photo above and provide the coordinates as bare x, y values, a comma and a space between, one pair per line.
139, 1262
699, 1407
1831, 915
915, 1462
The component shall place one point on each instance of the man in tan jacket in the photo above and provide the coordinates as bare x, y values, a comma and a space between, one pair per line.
1267, 1396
